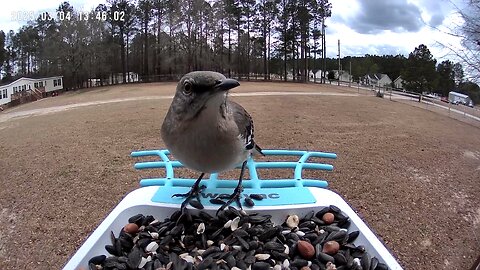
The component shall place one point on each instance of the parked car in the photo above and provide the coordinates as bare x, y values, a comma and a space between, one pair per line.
444, 99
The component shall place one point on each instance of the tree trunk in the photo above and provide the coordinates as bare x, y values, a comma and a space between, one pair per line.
145, 55
238, 45
248, 45
268, 57
285, 60
229, 51
323, 51
305, 59
170, 56
294, 49
122, 55
302, 55
158, 62
264, 33
126, 60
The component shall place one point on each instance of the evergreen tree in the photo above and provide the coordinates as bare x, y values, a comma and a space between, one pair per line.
419, 74
446, 77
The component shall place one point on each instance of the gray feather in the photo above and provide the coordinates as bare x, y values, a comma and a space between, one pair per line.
245, 125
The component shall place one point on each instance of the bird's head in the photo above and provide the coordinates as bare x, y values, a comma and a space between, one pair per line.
199, 90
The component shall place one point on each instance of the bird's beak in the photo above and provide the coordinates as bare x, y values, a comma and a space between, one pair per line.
227, 84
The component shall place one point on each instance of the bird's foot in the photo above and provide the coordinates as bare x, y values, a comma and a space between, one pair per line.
194, 193
234, 197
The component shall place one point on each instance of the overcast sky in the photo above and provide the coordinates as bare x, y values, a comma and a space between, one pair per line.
363, 26
392, 26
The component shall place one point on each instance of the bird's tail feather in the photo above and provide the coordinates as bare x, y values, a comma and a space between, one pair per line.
258, 150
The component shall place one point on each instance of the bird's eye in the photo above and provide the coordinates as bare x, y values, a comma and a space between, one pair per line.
187, 88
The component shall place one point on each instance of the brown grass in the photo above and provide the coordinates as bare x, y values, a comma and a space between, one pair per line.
412, 174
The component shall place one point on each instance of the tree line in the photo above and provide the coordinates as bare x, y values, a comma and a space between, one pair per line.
158, 37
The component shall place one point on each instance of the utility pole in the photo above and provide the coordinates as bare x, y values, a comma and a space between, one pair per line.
339, 62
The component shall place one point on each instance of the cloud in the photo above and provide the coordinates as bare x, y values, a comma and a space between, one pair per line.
434, 12
436, 19
375, 16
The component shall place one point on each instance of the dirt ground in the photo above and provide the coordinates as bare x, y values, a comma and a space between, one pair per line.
413, 175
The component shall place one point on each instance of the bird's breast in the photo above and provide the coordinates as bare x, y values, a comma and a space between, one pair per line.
207, 146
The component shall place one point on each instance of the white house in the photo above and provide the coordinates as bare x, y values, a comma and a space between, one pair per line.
398, 82
377, 79
118, 78
25, 84
317, 75
344, 75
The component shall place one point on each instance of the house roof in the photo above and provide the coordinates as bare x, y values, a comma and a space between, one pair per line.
372, 76
377, 76
459, 94
30, 77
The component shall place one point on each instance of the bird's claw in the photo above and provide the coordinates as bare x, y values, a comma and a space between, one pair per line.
193, 193
234, 197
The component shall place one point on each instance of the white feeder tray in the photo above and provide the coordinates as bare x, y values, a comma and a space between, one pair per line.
283, 199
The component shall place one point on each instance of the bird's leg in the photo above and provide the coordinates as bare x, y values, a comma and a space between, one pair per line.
235, 196
193, 193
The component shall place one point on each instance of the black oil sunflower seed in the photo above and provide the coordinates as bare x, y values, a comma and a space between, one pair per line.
257, 197
221, 246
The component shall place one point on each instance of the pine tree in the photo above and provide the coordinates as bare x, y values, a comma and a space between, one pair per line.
420, 74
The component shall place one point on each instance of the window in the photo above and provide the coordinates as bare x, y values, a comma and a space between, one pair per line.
41, 84
55, 82
24, 87
30, 87
14, 89
45, 83
4, 93
35, 85
59, 82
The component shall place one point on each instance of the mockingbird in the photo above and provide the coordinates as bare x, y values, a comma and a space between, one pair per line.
207, 132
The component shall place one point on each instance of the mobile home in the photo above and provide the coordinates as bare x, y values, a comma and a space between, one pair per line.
26, 84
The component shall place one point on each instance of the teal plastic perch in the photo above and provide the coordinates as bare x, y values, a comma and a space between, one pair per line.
296, 180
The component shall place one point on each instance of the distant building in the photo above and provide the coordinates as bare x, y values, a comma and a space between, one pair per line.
398, 82
118, 78
23, 86
342, 75
315, 74
377, 79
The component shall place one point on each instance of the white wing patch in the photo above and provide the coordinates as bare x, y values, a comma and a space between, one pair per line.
249, 143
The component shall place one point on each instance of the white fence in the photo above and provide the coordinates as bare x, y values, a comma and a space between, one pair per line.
459, 112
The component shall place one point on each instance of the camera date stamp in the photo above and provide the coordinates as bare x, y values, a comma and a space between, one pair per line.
25, 16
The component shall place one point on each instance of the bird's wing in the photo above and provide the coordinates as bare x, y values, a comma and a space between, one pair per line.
245, 125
